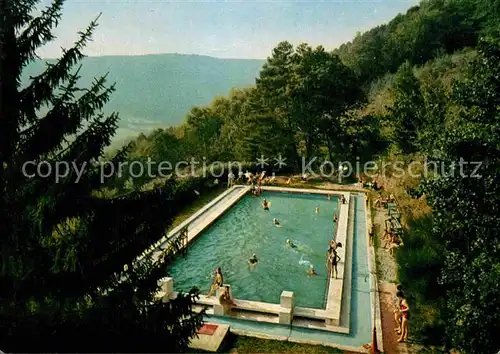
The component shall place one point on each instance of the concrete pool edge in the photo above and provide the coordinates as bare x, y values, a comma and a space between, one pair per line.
242, 332
156, 248
299, 334
345, 315
372, 268
326, 319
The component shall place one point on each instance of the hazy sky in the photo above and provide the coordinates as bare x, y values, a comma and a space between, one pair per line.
225, 29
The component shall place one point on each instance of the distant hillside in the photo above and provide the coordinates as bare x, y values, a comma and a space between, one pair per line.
158, 90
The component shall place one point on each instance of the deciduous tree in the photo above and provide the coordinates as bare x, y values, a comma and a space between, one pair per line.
466, 209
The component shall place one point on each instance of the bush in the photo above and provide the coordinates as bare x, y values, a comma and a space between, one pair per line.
420, 263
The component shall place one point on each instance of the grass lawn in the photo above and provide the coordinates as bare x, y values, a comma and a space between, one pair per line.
241, 344
203, 200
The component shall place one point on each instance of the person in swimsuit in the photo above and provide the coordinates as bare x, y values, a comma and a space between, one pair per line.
317, 210
276, 222
225, 297
334, 245
311, 270
397, 305
253, 260
335, 218
290, 244
404, 310
218, 281
265, 204
334, 259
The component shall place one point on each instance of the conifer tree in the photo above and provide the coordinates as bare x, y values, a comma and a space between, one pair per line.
68, 279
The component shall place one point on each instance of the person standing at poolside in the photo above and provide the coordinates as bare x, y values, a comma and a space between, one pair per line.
230, 179
334, 245
404, 310
334, 259
397, 305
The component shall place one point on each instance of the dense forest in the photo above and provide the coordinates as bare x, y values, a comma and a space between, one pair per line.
425, 86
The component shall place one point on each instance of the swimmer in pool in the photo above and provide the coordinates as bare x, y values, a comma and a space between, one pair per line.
290, 244
253, 260
329, 197
311, 270
265, 204
317, 210
276, 222
335, 218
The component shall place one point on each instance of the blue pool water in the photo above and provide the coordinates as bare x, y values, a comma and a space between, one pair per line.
246, 229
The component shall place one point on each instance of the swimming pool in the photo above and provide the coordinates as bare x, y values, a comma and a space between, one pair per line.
246, 229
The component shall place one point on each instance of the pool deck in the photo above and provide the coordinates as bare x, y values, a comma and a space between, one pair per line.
360, 323
209, 342
200, 220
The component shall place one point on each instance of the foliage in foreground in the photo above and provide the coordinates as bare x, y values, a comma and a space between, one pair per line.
450, 262
466, 210
63, 284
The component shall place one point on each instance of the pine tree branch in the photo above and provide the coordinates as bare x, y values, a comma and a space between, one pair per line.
112, 234
41, 89
68, 117
59, 111
39, 32
89, 145
20, 13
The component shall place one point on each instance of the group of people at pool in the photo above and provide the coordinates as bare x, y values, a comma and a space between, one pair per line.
332, 259
218, 283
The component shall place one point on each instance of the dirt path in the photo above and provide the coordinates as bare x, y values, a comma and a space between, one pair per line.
387, 277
